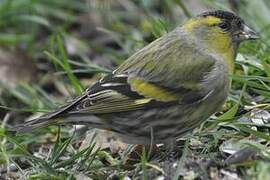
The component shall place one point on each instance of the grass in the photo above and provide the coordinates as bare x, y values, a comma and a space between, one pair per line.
73, 44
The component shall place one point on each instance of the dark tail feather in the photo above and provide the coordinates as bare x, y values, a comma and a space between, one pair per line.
47, 119
34, 124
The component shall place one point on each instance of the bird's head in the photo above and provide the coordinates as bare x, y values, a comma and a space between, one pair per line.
220, 28
221, 32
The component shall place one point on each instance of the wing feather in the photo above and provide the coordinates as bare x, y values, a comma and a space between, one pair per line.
109, 101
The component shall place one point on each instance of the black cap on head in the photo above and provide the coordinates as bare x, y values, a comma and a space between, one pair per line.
221, 14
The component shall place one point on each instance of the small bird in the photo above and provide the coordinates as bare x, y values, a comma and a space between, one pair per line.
164, 90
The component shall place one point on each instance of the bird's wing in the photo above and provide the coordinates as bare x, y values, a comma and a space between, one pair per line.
172, 68
129, 91
169, 70
113, 94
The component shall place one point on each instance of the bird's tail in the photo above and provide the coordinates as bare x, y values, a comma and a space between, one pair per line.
41, 122
35, 124
51, 118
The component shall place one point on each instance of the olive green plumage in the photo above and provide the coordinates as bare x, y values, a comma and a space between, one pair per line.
165, 89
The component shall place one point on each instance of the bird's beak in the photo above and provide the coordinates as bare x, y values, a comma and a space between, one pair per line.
247, 33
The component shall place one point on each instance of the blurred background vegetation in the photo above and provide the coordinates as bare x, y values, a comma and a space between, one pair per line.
50, 51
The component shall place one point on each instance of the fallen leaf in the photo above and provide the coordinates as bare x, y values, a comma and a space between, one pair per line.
15, 67
104, 140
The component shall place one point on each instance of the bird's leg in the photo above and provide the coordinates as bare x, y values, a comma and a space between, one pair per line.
171, 148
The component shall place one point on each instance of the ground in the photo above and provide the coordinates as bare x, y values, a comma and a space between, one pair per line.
51, 51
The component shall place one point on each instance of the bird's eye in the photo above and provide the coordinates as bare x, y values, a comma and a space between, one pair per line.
224, 26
